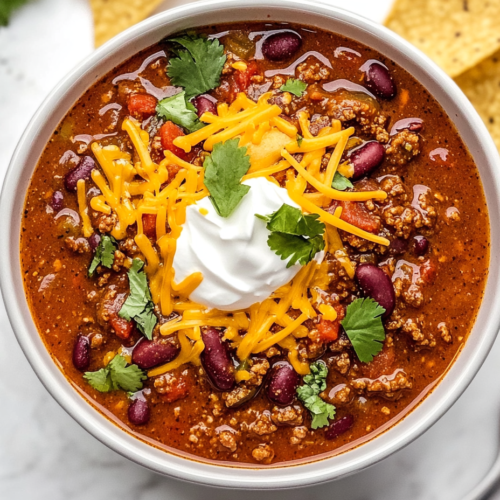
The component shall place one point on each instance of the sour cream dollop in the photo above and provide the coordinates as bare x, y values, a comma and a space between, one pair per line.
238, 267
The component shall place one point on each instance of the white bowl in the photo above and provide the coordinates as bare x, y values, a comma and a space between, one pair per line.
147, 33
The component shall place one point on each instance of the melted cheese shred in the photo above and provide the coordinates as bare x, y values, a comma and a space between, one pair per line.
271, 141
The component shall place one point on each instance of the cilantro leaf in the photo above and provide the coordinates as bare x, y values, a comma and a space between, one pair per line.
139, 305
294, 86
291, 220
363, 325
198, 67
314, 383
6, 9
115, 376
340, 182
104, 254
299, 249
224, 169
179, 111
294, 235
100, 380
299, 140
128, 378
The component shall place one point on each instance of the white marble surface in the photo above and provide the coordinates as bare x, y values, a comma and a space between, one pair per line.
45, 455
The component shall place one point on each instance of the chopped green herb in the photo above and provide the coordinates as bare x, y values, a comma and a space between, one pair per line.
340, 182
179, 111
314, 384
294, 86
139, 305
363, 325
294, 234
117, 376
224, 169
197, 66
299, 140
104, 254
6, 9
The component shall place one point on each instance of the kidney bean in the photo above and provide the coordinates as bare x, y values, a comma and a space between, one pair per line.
204, 105
81, 171
378, 79
148, 353
338, 427
411, 124
81, 353
421, 245
377, 285
366, 158
94, 241
216, 362
56, 202
138, 412
281, 46
398, 246
283, 384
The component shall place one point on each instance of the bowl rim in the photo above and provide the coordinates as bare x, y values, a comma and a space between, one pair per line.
22, 164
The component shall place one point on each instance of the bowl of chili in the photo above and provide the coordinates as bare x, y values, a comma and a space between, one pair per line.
464, 143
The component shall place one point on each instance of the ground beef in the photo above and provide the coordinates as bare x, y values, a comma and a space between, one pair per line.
291, 415
388, 386
263, 453
403, 147
228, 440
421, 337
78, 245
263, 425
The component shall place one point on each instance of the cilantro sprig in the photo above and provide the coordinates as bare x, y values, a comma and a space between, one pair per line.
314, 384
363, 325
104, 254
294, 86
115, 376
179, 111
294, 235
139, 305
224, 169
198, 64
340, 182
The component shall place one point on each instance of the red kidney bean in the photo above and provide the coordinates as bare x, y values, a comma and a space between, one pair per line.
283, 384
281, 46
81, 171
81, 353
378, 79
398, 246
148, 354
366, 158
57, 201
338, 427
204, 105
377, 285
216, 362
421, 245
411, 124
94, 241
138, 412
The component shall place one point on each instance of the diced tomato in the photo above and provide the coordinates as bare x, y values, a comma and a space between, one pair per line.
243, 78
428, 271
122, 327
177, 390
240, 80
356, 214
382, 363
149, 225
168, 133
328, 331
141, 105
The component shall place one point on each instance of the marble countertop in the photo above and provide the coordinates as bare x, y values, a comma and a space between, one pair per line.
45, 455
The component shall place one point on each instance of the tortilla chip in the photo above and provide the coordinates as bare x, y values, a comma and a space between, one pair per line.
481, 85
113, 16
456, 34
